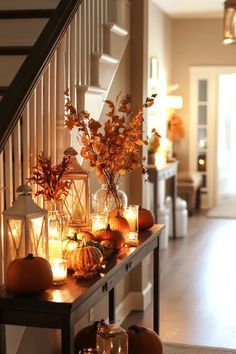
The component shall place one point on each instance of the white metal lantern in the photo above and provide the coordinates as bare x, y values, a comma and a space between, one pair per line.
77, 200
25, 227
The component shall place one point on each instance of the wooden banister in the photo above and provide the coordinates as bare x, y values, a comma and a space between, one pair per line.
21, 88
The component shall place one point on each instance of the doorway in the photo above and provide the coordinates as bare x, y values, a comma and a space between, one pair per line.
212, 131
226, 166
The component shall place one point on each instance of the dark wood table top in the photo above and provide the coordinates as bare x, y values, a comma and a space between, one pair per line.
67, 297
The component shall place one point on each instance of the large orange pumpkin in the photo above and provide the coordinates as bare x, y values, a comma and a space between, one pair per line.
114, 236
120, 223
115, 212
146, 219
86, 337
29, 275
143, 340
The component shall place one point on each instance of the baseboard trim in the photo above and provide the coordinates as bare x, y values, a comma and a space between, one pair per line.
134, 300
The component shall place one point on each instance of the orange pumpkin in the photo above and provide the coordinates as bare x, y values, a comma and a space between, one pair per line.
146, 219
85, 234
115, 212
120, 223
72, 242
86, 337
144, 340
29, 275
85, 260
114, 236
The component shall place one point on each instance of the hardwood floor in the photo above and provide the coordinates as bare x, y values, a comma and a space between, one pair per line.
198, 286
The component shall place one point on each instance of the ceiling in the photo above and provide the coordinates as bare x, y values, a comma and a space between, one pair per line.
191, 8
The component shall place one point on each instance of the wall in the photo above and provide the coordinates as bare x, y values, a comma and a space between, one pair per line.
195, 42
159, 46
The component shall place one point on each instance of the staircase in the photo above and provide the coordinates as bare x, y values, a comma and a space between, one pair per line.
19, 29
85, 60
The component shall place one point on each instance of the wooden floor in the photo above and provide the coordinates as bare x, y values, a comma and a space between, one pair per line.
198, 286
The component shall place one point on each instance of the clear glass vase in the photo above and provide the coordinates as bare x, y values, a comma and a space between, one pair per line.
58, 223
107, 199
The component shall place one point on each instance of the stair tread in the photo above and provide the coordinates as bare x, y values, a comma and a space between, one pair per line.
14, 50
105, 58
31, 13
3, 89
117, 29
91, 89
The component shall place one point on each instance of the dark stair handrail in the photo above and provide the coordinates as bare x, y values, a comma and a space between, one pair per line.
25, 81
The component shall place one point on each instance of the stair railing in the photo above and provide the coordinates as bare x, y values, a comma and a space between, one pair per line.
32, 110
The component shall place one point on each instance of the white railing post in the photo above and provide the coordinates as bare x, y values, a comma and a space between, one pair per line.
26, 144
46, 112
2, 190
53, 104
17, 156
39, 114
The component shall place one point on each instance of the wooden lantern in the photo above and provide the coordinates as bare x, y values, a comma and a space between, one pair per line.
77, 201
25, 227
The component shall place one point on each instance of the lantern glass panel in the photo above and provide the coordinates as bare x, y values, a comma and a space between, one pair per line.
55, 228
16, 246
37, 237
76, 203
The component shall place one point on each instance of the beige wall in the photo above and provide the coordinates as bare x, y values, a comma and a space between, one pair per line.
159, 46
195, 42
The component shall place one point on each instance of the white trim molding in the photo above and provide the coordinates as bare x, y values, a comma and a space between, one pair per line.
138, 301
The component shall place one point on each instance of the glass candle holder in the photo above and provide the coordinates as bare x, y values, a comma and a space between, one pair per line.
99, 222
131, 215
59, 270
111, 338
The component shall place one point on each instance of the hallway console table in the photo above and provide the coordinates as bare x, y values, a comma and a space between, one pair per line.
61, 307
168, 171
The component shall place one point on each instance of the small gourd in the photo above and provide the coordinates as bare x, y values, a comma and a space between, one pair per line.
29, 275
114, 236
85, 260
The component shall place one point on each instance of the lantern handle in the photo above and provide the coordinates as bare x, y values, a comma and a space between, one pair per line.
24, 189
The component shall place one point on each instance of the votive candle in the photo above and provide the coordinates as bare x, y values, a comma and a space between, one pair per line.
59, 270
99, 222
131, 215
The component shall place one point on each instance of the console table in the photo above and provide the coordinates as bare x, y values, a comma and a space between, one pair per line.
169, 170
61, 307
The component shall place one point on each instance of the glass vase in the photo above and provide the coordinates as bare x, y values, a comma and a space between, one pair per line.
106, 199
58, 223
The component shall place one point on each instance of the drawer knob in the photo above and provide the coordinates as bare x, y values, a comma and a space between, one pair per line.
105, 288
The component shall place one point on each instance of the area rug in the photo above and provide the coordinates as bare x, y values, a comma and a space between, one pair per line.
222, 212
176, 348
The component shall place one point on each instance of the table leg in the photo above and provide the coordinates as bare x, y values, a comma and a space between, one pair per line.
2, 339
156, 290
173, 195
155, 199
67, 337
112, 315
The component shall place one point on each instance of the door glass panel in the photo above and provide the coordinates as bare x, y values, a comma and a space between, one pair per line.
202, 115
202, 90
202, 138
